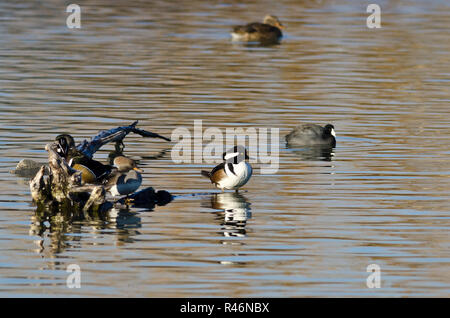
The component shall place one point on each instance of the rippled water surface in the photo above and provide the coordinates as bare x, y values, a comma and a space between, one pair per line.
311, 228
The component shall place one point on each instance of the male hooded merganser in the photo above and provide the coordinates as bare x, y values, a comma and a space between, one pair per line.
268, 31
233, 173
125, 177
312, 134
91, 170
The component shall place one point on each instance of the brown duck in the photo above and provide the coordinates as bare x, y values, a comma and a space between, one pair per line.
267, 32
125, 178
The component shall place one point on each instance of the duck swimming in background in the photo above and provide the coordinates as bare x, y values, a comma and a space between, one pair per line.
125, 177
267, 32
311, 135
80, 156
233, 173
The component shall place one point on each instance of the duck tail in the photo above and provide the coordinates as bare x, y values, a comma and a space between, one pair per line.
205, 173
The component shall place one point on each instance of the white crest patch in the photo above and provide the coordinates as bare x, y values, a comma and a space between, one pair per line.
231, 155
333, 133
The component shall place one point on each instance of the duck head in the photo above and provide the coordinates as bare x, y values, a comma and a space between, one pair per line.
329, 131
236, 154
273, 21
124, 164
64, 143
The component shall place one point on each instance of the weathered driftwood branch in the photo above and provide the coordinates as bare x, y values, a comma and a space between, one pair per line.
39, 187
62, 177
88, 148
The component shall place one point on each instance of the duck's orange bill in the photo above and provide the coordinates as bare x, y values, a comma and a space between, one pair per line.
137, 169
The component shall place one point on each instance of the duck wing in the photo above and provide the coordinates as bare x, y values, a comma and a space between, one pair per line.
210, 174
254, 27
217, 168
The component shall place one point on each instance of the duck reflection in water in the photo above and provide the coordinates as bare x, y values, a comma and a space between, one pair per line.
313, 153
56, 231
236, 211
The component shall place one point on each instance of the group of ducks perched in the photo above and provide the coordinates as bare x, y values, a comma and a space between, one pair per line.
123, 177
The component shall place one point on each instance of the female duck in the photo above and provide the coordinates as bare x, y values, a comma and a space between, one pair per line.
267, 32
125, 178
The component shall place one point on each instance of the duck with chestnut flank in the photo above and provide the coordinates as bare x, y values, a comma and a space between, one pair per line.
233, 173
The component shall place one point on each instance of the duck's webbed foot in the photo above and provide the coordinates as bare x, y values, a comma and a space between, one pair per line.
128, 201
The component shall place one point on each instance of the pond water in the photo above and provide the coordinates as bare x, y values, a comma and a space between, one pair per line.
311, 228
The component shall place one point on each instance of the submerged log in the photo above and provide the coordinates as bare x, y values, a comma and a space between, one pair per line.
27, 168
